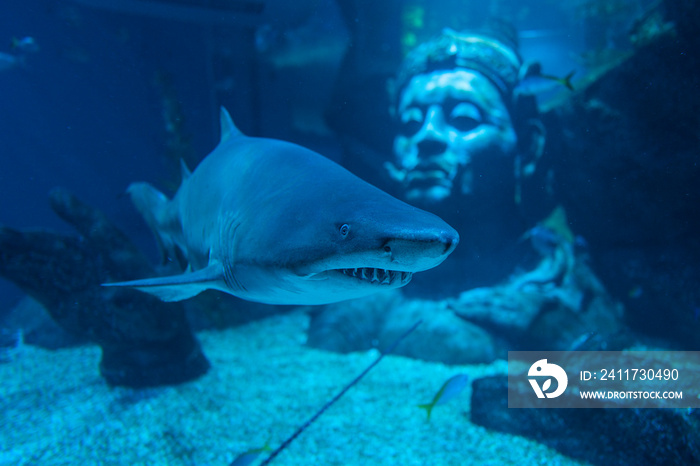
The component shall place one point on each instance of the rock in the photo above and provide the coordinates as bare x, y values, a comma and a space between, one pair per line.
144, 341
658, 286
501, 308
442, 337
540, 316
37, 327
351, 325
599, 436
378, 320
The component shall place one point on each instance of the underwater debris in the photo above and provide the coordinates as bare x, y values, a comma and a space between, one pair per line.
144, 341
330, 403
449, 390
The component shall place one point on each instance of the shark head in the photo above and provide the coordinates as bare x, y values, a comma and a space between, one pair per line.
370, 253
337, 238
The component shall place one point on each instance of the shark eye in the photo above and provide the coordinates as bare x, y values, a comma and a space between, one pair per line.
344, 230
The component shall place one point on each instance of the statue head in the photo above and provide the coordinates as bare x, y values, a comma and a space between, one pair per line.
461, 121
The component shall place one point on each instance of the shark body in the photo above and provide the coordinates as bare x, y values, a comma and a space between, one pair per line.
273, 222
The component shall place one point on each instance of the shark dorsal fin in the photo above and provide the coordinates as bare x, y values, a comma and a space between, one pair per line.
228, 128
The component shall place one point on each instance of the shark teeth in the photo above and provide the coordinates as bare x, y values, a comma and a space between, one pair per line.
379, 276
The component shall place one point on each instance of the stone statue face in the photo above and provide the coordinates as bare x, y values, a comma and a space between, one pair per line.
449, 120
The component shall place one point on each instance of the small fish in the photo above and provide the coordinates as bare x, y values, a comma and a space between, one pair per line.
534, 81
24, 45
246, 458
448, 391
580, 343
543, 239
551, 232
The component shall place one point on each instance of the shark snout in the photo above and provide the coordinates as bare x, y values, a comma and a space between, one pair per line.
440, 243
450, 239
423, 249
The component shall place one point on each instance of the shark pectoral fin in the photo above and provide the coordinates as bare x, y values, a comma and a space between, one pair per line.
178, 287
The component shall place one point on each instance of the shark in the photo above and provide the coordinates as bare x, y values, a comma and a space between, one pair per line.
273, 222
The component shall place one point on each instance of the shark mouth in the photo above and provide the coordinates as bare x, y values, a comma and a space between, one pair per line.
379, 276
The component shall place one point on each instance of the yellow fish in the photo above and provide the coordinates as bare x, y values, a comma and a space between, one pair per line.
448, 391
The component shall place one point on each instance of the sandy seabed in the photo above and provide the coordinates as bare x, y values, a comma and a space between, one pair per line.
264, 382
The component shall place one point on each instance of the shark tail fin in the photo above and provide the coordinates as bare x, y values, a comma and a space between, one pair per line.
566, 80
154, 208
428, 409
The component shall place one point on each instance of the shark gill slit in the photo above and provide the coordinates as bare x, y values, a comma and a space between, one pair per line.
228, 241
231, 280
